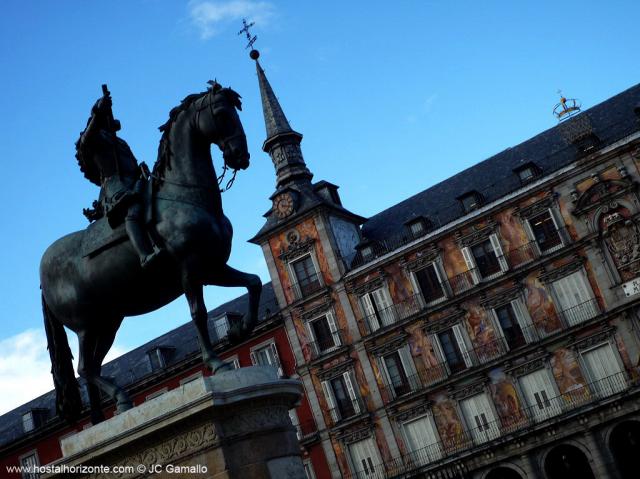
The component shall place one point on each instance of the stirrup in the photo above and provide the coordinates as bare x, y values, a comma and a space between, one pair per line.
150, 258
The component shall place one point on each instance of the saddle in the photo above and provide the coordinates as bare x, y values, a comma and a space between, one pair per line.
102, 235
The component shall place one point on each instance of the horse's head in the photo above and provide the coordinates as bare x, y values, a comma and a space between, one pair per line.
218, 121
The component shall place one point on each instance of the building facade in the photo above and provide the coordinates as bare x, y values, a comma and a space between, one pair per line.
484, 328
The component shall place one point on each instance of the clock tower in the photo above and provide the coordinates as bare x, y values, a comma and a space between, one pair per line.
309, 241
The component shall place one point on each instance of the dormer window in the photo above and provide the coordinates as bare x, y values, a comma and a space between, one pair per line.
157, 359
471, 201
527, 172
222, 323
28, 422
418, 227
367, 252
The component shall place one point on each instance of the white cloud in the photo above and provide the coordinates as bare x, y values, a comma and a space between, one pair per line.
25, 367
210, 15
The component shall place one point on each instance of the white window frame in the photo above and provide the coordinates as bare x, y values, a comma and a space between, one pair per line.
595, 385
157, 352
349, 381
472, 266
442, 279
271, 344
387, 313
191, 377
408, 365
587, 308
215, 322
523, 318
490, 429
333, 329
462, 340
32, 453
529, 230
556, 402
295, 422
308, 469
432, 452
374, 460
292, 273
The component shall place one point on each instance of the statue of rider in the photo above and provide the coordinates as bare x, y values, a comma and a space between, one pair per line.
107, 161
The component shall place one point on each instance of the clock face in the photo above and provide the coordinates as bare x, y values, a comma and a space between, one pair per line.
283, 205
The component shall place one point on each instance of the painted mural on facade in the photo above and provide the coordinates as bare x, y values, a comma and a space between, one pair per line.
448, 422
482, 333
505, 398
540, 306
568, 376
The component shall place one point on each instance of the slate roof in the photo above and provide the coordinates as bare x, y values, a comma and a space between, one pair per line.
611, 120
134, 365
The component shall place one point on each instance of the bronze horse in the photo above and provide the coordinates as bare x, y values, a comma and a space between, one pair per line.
91, 296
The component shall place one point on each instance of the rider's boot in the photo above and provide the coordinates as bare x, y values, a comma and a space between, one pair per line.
146, 252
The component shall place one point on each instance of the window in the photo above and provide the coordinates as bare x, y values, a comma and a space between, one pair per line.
324, 333
295, 422
235, 362
575, 298
540, 395
156, 359
527, 172
266, 355
485, 259
308, 470
604, 370
470, 201
28, 423
306, 277
29, 461
364, 458
221, 327
451, 346
480, 419
430, 284
514, 324
399, 372
367, 252
418, 227
545, 232
341, 397
377, 308
422, 440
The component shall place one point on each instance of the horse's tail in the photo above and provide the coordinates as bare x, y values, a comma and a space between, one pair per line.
68, 402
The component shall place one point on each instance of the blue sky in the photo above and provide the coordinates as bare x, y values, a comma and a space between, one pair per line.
391, 98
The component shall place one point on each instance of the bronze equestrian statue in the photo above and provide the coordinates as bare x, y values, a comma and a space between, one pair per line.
175, 239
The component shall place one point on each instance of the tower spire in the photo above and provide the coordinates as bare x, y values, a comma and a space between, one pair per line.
282, 143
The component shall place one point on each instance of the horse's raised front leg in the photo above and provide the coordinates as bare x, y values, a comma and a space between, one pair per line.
231, 277
193, 293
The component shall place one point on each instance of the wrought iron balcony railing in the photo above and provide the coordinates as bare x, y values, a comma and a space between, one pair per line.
311, 284
519, 421
392, 314
580, 313
346, 409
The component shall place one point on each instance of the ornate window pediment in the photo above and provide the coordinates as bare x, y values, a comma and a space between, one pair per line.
420, 410
501, 298
594, 339
602, 193
423, 258
536, 208
562, 271
444, 323
389, 344
336, 370
297, 247
529, 366
470, 390
479, 233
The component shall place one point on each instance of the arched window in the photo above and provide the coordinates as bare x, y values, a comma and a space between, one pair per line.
567, 461
625, 447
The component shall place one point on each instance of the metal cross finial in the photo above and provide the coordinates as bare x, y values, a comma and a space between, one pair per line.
245, 29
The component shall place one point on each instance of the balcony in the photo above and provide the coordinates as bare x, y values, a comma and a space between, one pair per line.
402, 387
306, 430
519, 422
347, 409
580, 313
305, 288
326, 345
392, 314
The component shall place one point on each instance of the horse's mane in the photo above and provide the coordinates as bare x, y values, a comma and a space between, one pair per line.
163, 162
164, 149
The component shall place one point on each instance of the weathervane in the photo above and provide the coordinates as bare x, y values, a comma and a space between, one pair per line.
245, 29
254, 54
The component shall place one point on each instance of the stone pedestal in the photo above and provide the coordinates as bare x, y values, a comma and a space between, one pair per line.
234, 425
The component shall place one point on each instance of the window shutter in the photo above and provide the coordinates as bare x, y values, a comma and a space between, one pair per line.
407, 363
351, 391
383, 302
443, 284
437, 348
496, 325
457, 332
333, 328
328, 394
385, 375
276, 358
369, 312
524, 320
236, 363
556, 223
254, 358
497, 248
471, 264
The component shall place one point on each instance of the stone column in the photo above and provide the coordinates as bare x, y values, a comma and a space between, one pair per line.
233, 425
